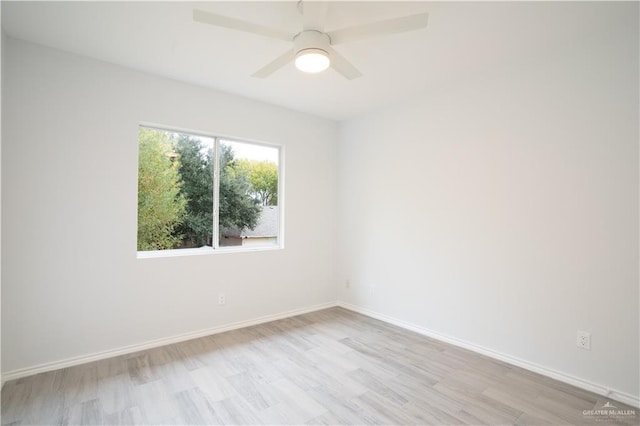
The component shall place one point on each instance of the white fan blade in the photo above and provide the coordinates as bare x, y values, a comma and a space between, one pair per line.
314, 15
237, 24
275, 65
390, 26
344, 67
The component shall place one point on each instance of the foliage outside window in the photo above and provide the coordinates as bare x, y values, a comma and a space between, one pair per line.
197, 191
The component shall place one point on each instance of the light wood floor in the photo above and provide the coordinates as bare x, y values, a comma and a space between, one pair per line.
327, 367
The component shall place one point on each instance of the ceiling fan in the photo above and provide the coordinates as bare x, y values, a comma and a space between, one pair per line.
312, 46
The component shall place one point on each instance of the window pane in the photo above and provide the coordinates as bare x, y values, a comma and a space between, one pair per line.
249, 214
175, 190
195, 157
178, 192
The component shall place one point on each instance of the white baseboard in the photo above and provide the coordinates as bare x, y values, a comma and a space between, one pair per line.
69, 362
545, 371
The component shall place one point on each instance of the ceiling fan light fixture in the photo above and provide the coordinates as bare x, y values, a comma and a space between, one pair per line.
312, 60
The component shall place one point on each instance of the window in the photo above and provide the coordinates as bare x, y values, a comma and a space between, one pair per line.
203, 192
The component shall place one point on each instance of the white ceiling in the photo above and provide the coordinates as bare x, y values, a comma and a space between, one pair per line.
462, 40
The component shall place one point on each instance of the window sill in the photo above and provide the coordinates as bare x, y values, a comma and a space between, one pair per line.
202, 251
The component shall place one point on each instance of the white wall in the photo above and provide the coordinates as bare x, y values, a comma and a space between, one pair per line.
1, 43
71, 282
504, 212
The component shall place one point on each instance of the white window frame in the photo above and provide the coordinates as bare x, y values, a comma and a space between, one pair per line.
216, 248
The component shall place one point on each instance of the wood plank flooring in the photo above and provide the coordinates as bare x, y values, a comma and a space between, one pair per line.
322, 368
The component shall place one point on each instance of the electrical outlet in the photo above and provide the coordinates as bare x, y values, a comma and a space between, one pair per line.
347, 284
222, 299
584, 340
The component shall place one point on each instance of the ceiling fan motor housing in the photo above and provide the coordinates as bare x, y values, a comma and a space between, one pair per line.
311, 39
